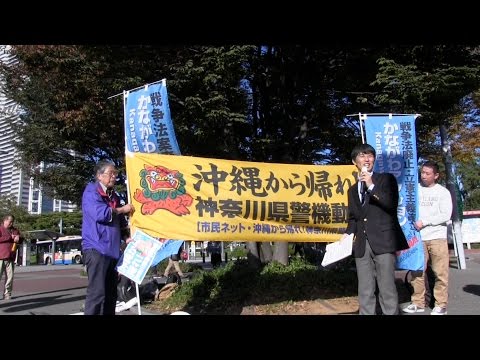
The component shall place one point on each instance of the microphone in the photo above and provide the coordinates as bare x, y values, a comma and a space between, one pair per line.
364, 184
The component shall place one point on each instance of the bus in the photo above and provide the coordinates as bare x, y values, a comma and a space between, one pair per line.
68, 250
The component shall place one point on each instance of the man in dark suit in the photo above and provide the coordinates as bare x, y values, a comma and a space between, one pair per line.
372, 218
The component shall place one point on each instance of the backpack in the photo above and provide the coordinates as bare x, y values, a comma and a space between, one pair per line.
173, 278
148, 291
125, 289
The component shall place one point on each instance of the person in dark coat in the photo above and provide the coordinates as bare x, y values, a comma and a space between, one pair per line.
372, 209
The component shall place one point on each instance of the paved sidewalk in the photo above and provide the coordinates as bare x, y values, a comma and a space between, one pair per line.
463, 288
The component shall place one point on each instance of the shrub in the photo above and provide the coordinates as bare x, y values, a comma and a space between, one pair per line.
229, 288
238, 252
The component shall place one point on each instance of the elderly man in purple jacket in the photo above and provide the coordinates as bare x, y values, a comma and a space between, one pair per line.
103, 222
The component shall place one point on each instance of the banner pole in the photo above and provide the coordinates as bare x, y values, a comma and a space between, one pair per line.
138, 299
139, 87
125, 96
361, 119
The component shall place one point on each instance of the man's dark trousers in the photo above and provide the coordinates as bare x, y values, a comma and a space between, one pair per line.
102, 283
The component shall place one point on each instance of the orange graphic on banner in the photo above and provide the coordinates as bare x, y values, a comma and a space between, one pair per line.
162, 188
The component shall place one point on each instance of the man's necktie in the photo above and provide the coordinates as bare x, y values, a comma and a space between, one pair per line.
363, 192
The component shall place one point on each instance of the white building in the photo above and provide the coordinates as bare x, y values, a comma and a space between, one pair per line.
13, 181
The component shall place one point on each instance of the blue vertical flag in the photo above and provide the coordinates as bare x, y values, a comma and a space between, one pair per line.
169, 247
394, 140
148, 124
149, 129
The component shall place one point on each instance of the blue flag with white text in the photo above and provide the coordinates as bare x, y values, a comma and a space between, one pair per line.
149, 129
394, 140
148, 124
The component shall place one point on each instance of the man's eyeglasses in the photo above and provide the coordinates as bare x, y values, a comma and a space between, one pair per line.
111, 173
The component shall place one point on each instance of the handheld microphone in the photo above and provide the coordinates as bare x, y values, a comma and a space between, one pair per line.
364, 184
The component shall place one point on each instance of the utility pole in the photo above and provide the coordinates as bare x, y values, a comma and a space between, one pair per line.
457, 225
60, 225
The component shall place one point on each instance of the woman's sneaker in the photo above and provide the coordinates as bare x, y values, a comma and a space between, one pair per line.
412, 308
437, 310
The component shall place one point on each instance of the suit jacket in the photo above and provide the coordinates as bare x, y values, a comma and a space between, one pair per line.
377, 219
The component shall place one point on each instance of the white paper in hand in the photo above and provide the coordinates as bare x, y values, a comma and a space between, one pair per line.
338, 250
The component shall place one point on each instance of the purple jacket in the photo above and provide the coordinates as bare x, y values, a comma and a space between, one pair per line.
101, 230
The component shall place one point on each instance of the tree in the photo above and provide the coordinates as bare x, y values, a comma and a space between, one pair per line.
8, 205
72, 221
68, 122
264, 103
468, 173
300, 96
434, 87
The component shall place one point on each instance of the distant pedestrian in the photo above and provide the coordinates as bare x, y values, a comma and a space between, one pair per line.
215, 250
173, 261
298, 249
9, 240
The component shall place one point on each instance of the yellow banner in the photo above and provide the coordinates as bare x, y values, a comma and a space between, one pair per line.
193, 198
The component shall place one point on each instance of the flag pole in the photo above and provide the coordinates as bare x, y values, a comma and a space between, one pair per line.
139, 308
139, 87
362, 117
125, 96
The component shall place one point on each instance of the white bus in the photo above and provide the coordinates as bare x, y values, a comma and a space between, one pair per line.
68, 250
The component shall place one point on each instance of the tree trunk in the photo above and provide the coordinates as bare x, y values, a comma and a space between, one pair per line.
252, 254
266, 253
280, 252
447, 153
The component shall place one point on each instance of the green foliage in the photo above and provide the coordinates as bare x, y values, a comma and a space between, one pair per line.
22, 218
468, 173
238, 252
227, 289
267, 103
429, 80
72, 221
70, 122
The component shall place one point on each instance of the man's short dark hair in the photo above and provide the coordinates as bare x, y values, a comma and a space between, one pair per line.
363, 148
432, 165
